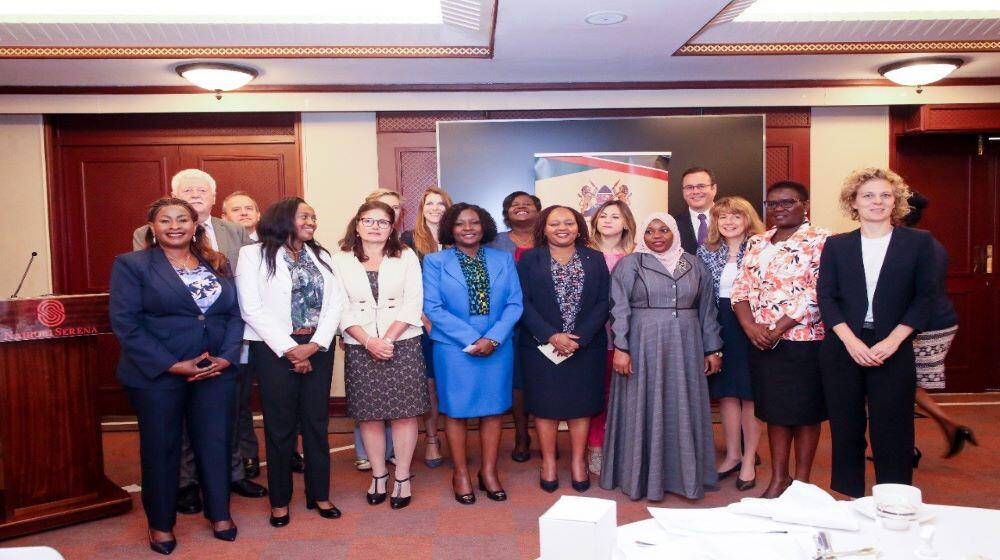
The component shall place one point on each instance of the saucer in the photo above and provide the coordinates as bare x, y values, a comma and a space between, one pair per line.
866, 506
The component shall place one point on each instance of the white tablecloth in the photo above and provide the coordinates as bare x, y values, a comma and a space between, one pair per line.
962, 533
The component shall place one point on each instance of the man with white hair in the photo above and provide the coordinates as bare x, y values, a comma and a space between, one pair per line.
197, 188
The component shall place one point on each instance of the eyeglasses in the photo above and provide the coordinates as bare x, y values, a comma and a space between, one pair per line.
698, 187
372, 222
784, 204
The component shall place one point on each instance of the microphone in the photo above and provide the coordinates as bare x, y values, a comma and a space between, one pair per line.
25, 275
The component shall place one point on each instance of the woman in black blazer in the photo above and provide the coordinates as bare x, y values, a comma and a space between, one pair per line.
565, 286
174, 309
876, 288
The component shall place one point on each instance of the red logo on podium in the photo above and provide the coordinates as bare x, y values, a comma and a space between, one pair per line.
51, 313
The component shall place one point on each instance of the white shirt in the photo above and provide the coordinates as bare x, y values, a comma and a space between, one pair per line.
695, 222
873, 251
253, 236
729, 273
210, 232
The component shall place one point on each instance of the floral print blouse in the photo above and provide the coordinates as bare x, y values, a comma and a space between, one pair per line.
478, 281
568, 281
202, 283
307, 290
785, 284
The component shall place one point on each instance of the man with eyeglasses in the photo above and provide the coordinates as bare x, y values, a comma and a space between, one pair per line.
699, 188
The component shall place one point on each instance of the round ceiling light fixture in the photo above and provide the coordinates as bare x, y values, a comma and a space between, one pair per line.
605, 17
217, 76
920, 72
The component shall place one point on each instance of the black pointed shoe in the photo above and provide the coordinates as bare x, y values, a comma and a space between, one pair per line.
581, 485
226, 534
744, 485
728, 473
280, 520
376, 498
549, 486
162, 547
962, 434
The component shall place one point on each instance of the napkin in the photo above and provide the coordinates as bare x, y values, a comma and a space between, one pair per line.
710, 521
800, 504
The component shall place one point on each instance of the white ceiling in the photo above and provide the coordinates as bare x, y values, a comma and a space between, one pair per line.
535, 42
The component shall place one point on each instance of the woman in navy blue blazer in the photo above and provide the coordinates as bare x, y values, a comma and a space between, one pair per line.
174, 309
565, 286
876, 288
472, 298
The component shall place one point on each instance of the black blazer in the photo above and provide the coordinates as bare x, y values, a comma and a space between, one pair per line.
906, 285
158, 323
542, 318
688, 240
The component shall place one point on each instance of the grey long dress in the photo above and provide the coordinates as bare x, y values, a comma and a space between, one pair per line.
659, 430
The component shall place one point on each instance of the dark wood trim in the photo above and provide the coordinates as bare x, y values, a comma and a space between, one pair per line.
338, 406
494, 87
835, 47
493, 28
301, 191
725, 10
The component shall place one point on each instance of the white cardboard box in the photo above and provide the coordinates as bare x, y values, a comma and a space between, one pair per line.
578, 528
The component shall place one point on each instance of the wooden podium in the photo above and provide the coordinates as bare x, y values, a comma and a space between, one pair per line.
51, 457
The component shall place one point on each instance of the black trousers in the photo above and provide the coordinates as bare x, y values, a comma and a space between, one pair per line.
206, 409
245, 439
291, 400
888, 390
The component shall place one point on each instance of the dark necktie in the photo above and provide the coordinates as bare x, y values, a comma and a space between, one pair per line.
702, 229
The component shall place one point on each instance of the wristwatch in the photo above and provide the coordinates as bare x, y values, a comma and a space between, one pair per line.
716, 353
493, 342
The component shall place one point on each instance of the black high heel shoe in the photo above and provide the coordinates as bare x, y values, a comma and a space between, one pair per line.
280, 520
226, 534
464, 499
328, 513
162, 547
399, 502
377, 497
962, 434
498, 496
549, 486
580, 485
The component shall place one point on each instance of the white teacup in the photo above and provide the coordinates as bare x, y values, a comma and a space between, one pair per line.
896, 505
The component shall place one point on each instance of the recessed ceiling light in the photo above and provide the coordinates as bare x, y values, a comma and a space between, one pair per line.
920, 72
605, 18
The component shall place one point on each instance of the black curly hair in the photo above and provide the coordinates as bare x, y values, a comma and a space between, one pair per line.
446, 231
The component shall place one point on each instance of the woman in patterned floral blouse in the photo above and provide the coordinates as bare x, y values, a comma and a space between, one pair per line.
774, 297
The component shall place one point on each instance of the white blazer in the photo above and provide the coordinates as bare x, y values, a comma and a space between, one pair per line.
400, 295
266, 302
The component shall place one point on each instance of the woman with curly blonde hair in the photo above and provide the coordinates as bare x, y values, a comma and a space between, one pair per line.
876, 291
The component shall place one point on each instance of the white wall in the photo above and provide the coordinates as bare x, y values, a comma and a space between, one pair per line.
23, 214
841, 140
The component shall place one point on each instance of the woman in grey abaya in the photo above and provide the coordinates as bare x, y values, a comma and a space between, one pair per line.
667, 340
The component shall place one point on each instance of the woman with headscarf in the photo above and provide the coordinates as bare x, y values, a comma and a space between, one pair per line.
667, 339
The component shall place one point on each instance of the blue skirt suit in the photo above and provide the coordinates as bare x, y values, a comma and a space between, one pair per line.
470, 386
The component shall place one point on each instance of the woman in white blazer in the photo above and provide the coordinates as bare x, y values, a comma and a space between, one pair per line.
291, 303
384, 370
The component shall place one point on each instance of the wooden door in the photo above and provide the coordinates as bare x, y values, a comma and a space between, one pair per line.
105, 170
959, 176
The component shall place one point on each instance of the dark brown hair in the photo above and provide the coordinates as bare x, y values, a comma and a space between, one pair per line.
582, 240
696, 169
352, 241
200, 246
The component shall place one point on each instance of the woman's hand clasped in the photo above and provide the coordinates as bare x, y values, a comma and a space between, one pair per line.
379, 348
564, 343
299, 356
482, 348
621, 363
191, 370
862, 354
762, 336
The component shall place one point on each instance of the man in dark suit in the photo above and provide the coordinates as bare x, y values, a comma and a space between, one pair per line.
198, 189
699, 188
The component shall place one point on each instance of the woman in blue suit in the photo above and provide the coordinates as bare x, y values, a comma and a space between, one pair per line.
472, 297
174, 310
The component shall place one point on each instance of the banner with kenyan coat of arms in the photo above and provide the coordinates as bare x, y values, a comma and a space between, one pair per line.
584, 181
